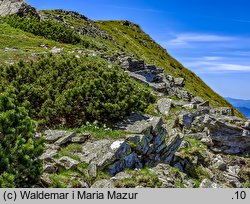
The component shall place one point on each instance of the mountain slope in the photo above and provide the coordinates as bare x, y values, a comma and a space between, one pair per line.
134, 40
116, 119
112, 37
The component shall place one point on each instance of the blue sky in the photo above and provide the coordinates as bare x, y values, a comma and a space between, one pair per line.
210, 37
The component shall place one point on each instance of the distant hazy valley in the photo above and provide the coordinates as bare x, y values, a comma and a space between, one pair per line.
242, 105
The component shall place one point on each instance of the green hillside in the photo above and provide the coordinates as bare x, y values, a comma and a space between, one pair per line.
83, 100
134, 40
114, 37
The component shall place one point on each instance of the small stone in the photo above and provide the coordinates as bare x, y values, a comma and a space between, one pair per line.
67, 162
49, 168
48, 154
104, 183
56, 50
190, 106
234, 170
218, 163
92, 170
179, 81
197, 100
209, 184
81, 138
184, 144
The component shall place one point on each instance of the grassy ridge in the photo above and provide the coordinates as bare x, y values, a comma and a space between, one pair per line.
123, 36
135, 41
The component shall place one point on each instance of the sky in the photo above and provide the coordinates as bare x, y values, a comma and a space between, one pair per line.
209, 37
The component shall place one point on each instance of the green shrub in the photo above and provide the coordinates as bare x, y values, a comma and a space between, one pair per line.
46, 28
19, 164
70, 91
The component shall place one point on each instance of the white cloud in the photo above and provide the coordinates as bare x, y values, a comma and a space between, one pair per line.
187, 38
210, 53
216, 67
212, 58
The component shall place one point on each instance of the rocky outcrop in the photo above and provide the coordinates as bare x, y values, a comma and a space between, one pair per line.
85, 27
148, 144
8, 7
216, 127
19, 7
226, 137
153, 76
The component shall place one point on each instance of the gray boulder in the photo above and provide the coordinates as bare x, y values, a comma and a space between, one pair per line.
197, 100
164, 105
50, 168
150, 80
232, 180
48, 154
209, 184
58, 136
8, 7
179, 81
80, 138
132, 65
219, 163
140, 124
56, 50
228, 138
67, 162
222, 111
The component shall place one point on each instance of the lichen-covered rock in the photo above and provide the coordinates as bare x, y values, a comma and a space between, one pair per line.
228, 138
209, 184
66, 162
164, 105
179, 81
222, 111
50, 168
58, 137
80, 138
150, 145
140, 124
56, 50
48, 154
219, 163
8, 7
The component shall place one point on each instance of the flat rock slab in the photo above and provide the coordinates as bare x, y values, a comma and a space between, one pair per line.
140, 124
58, 136
160, 86
103, 152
